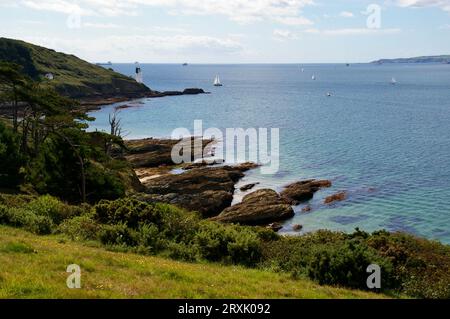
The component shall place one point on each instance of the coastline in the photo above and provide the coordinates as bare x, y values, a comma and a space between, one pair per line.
209, 187
96, 103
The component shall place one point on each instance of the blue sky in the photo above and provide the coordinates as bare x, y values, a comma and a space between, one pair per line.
231, 31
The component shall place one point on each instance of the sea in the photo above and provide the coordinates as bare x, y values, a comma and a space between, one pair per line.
387, 146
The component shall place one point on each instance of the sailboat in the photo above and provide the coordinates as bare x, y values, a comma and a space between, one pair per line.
393, 81
217, 81
313, 77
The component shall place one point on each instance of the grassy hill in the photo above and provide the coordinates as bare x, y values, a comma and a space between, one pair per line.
34, 267
73, 77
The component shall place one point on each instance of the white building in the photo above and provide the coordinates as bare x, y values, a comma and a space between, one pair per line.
139, 76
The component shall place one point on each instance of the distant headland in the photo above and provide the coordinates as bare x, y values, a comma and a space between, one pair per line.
91, 84
422, 59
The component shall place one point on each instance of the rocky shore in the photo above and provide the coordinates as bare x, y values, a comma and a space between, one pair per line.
95, 103
208, 188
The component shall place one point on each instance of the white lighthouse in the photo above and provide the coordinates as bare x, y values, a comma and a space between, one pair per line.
139, 77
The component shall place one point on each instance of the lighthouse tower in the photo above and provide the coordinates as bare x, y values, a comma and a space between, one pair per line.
139, 77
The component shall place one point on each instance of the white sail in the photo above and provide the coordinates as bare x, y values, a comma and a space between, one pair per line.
393, 81
217, 81
313, 77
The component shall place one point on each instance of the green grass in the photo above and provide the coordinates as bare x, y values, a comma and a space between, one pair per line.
34, 267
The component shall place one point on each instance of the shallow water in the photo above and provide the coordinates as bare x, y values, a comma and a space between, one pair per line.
387, 145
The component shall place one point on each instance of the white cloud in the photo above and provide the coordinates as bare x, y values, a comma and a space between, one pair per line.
284, 35
293, 21
143, 48
359, 31
242, 11
101, 25
351, 31
346, 14
443, 4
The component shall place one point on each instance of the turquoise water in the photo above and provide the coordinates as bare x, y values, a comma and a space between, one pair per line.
387, 146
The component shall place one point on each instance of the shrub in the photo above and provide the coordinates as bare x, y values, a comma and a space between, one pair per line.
15, 200
228, 243
52, 208
421, 267
346, 264
181, 251
20, 217
80, 228
131, 212
118, 235
149, 237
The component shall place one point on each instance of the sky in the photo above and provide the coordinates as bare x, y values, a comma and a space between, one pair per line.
231, 31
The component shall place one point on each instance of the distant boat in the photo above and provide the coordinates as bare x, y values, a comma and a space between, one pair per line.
393, 81
185, 64
107, 63
217, 81
328, 94
313, 77
303, 70
348, 64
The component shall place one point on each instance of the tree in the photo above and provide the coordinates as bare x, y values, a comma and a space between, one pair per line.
11, 81
10, 158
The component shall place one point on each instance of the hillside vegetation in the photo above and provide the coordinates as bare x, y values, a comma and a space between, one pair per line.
34, 267
73, 77
410, 266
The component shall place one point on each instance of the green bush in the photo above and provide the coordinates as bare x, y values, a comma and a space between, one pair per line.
38, 215
118, 235
228, 243
345, 265
181, 251
20, 217
128, 211
15, 200
80, 228
421, 267
53, 208
149, 237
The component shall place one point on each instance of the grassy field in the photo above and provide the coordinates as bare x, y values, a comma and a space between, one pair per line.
34, 267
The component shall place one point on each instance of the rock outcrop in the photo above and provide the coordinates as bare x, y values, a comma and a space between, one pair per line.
248, 187
258, 208
155, 152
338, 197
299, 192
208, 190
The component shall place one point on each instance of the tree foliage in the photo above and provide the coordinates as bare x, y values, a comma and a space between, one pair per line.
47, 148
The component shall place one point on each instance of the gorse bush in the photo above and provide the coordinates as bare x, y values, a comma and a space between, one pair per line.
39, 215
20, 217
155, 227
53, 208
80, 228
346, 264
128, 211
234, 244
